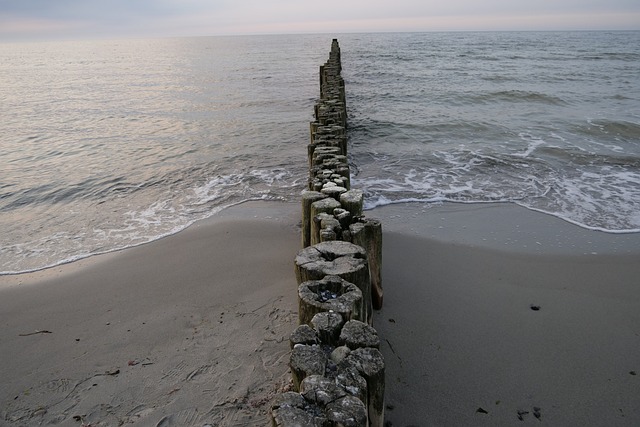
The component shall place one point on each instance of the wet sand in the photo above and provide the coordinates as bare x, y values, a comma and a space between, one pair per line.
188, 330
495, 315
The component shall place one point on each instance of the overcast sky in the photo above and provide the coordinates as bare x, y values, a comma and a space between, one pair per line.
54, 19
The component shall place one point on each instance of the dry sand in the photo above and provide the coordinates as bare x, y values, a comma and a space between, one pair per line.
192, 329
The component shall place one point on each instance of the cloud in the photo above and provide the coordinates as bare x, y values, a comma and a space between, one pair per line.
91, 18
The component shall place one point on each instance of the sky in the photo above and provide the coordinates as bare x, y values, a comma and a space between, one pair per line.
79, 19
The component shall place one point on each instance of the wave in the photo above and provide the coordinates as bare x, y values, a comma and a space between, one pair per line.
117, 216
591, 190
622, 128
515, 96
150, 214
383, 201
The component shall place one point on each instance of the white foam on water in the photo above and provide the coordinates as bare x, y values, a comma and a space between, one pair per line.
592, 194
216, 187
157, 220
533, 145
371, 203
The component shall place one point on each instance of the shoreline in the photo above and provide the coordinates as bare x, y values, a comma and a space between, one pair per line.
395, 212
191, 327
503, 226
247, 210
458, 331
496, 315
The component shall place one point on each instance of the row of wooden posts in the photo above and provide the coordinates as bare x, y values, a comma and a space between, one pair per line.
335, 362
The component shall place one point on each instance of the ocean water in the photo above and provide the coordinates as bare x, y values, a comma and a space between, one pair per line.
109, 144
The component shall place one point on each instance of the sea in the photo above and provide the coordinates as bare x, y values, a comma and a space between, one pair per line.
108, 144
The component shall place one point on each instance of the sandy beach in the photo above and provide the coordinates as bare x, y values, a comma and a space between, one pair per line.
493, 315
185, 331
496, 315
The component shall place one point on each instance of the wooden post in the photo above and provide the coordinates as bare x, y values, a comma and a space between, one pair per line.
327, 235
331, 293
340, 180
308, 198
326, 205
368, 234
344, 172
346, 411
328, 325
322, 153
370, 363
317, 227
291, 409
320, 390
330, 221
333, 191
306, 360
351, 380
352, 201
344, 218
304, 334
313, 128
341, 408
356, 334
327, 227
337, 258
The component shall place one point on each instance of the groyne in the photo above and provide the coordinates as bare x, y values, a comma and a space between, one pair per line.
336, 366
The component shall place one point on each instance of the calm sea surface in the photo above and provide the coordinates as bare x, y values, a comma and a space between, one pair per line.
109, 144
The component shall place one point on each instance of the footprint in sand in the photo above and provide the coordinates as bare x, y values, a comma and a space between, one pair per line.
176, 372
186, 417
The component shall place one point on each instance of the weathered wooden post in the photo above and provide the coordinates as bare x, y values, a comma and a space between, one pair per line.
291, 409
313, 127
331, 293
306, 360
352, 201
351, 380
327, 226
328, 325
322, 152
308, 198
333, 191
337, 258
341, 408
347, 411
356, 334
370, 363
304, 334
344, 218
321, 390
320, 206
368, 234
